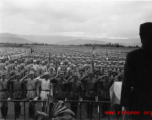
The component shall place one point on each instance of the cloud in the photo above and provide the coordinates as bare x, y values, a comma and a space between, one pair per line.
116, 19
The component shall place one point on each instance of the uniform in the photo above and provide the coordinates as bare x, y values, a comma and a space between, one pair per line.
103, 86
74, 92
17, 89
46, 89
4, 94
31, 94
31, 88
60, 90
44, 68
52, 71
35, 67
39, 70
90, 93
16, 94
24, 90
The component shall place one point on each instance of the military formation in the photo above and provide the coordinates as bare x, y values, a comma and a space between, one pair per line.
60, 73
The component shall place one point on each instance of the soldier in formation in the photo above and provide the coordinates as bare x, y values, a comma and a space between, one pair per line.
74, 92
31, 87
67, 75
103, 86
16, 94
4, 95
89, 83
46, 88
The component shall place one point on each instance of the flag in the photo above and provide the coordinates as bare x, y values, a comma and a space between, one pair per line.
93, 52
115, 93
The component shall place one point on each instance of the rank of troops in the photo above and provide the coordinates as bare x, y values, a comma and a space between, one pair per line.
65, 75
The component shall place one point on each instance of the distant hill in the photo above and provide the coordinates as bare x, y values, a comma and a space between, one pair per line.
81, 42
64, 40
46, 39
139, 44
12, 38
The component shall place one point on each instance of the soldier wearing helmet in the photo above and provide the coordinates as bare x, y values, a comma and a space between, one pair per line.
16, 88
4, 95
74, 91
89, 89
103, 86
46, 88
31, 85
59, 84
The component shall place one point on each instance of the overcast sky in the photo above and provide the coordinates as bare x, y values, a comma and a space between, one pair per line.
115, 19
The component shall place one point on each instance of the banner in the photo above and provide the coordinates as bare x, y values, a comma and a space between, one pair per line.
115, 93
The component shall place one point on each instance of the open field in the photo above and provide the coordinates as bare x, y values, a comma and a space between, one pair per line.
81, 47
71, 50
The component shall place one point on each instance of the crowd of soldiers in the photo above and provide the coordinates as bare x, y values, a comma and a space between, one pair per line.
63, 73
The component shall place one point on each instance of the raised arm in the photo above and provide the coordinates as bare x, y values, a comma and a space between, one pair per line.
22, 80
83, 78
69, 78
11, 77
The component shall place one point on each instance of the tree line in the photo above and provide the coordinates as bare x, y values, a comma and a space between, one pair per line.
45, 44
110, 45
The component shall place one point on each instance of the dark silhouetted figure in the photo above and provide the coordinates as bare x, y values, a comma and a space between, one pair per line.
136, 94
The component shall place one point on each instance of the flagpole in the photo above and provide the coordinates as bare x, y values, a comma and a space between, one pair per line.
31, 52
93, 47
96, 97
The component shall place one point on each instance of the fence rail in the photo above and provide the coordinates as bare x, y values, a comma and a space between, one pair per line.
98, 103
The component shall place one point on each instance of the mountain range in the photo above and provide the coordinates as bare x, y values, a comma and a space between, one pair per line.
64, 40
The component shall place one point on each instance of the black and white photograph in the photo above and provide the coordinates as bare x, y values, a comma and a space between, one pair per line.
75, 60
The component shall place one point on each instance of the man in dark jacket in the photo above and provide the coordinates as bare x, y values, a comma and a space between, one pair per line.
136, 94
4, 94
103, 86
74, 92
15, 86
89, 83
60, 87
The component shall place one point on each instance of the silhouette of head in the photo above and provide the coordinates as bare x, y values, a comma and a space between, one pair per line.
146, 35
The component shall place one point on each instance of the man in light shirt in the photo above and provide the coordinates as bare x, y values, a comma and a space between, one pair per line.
46, 88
